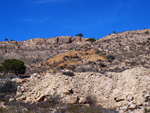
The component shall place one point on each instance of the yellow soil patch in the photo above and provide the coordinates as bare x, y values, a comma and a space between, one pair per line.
70, 59
73, 58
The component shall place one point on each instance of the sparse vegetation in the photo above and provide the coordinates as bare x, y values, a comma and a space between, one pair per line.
13, 66
110, 58
54, 100
102, 65
84, 109
68, 73
80, 69
71, 67
62, 66
48, 107
91, 40
121, 50
114, 31
9, 87
91, 100
6, 39
80, 34
1, 69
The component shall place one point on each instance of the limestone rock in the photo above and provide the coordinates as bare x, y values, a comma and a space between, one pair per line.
129, 97
2, 105
82, 100
119, 98
132, 106
41, 98
70, 99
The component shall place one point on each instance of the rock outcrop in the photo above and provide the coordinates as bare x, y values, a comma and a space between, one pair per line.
129, 49
127, 90
34, 51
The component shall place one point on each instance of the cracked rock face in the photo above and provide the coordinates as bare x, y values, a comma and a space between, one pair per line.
127, 89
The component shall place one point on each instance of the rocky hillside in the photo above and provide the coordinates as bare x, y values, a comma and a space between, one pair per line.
35, 51
122, 50
130, 49
123, 91
113, 71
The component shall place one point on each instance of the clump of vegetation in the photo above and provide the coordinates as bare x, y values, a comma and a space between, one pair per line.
102, 65
80, 69
68, 73
91, 40
92, 62
12, 40
91, 100
80, 34
62, 66
110, 58
114, 31
6, 39
9, 87
52, 101
45, 107
13, 66
1, 69
82, 109
71, 67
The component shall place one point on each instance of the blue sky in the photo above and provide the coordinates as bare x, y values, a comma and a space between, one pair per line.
25, 19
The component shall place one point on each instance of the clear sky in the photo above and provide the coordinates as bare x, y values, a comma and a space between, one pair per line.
25, 19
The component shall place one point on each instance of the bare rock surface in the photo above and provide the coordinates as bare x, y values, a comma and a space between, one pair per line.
127, 89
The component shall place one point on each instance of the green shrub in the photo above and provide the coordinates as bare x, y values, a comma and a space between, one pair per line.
92, 62
1, 69
14, 66
9, 87
62, 67
80, 34
110, 58
76, 108
91, 100
71, 67
91, 39
102, 65
68, 73
114, 31
80, 69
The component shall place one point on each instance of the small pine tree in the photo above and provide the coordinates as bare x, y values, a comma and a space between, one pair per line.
80, 34
114, 31
6, 39
13, 66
